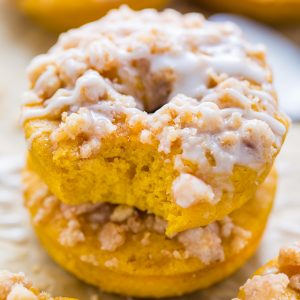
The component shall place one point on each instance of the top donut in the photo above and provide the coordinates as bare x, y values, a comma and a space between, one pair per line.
166, 112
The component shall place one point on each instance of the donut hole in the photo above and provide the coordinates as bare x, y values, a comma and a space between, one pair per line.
158, 88
151, 89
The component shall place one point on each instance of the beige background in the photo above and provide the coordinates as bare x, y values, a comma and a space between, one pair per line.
19, 251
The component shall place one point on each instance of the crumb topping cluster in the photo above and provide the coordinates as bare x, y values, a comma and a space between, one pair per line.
114, 225
173, 80
274, 284
289, 263
16, 287
269, 286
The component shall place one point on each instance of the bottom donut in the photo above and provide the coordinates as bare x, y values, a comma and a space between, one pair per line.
123, 250
279, 279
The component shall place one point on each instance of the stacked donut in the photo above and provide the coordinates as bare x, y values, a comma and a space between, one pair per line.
150, 136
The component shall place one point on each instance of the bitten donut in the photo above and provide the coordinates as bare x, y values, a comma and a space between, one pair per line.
124, 250
272, 11
58, 16
15, 286
277, 280
170, 113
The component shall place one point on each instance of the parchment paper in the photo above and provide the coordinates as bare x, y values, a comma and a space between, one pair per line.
19, 249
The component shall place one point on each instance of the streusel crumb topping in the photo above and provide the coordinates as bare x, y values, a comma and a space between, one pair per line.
270, 286
17, 287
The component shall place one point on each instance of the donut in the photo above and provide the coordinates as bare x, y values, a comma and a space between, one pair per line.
15, 286
271, 11
278, 279
58, 16
169, 113
123, 250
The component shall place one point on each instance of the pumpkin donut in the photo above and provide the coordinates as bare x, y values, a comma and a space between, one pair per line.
58, 16
271, 11
124, 250
170, 113
279, 279
18, 287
